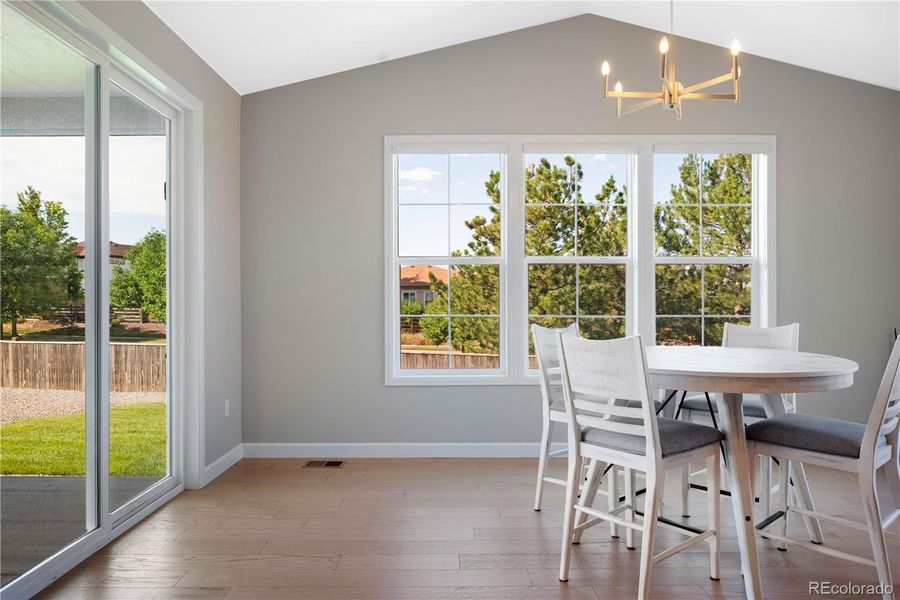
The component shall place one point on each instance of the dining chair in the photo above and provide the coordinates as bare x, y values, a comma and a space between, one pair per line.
844, 446
786, 337
553, 409
599, 378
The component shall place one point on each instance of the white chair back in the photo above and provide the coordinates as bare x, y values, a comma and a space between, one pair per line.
598, 376
786, 337
546, 340
885, 415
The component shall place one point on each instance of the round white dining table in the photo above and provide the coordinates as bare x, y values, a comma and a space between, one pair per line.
730, 373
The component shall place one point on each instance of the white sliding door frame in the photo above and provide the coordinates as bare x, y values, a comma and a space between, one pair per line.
116, 59
173, 398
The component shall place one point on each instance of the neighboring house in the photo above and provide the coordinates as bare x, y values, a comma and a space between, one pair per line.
415, 284
116, 254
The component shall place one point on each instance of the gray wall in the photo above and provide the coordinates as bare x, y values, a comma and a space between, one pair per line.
312, 219
222, 211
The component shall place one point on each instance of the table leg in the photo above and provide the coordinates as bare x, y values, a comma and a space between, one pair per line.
669, 411
732, 422
774, 405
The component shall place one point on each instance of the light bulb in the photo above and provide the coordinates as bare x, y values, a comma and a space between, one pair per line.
735, 47
604, 68
664, 45
618, 87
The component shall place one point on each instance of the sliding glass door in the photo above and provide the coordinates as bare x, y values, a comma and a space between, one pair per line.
138, 296
85, 435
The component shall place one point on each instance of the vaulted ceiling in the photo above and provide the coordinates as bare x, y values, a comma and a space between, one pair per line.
257, 45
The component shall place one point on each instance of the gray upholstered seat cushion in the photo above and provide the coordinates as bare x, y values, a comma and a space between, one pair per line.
753, 406
819, 434
674, 437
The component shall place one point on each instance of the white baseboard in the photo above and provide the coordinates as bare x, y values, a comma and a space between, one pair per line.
401, 450
222, 464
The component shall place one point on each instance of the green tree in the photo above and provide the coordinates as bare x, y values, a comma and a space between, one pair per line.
436, 329
38, 267
714, 187
144, 282
553, 191
124, 290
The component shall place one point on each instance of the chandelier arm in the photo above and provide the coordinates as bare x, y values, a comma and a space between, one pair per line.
635, 95
708, 96
641, 105
705, 84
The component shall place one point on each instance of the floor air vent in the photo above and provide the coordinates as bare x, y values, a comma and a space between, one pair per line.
324, 464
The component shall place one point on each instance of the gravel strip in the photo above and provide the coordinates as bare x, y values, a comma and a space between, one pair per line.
17, 404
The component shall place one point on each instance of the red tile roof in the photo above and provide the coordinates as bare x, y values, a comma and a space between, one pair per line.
417, 275
115, 250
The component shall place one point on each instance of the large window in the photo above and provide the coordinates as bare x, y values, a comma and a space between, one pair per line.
664, 236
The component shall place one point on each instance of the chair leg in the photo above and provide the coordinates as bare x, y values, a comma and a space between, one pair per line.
765, 484
892, 468
542, 461
652, 500
876, 534
612, 497
685, 489
572, 481
784, 476
804, 500
712, 498
595, 469
629, 500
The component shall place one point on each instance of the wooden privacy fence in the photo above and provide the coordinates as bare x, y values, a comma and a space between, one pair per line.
60, 366
433, 359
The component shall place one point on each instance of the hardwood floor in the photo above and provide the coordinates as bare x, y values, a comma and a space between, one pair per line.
425, 529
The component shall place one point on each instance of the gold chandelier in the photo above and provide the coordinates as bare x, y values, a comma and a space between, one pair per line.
673, 92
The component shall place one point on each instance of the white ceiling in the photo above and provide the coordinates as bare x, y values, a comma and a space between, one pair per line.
257, 45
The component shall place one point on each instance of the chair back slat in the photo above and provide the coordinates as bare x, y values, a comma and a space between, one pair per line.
610, 425
885, 414
606, 408
599, 377
892, 411
547, 352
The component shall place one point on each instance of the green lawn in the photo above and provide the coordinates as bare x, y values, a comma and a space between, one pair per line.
55, 445
117, 333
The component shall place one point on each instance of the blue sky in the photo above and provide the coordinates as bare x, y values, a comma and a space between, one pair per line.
55, 167
437, 193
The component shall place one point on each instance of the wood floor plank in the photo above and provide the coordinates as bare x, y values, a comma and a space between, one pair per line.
324, 535
225, 577
134, 593
416, 593
355, 562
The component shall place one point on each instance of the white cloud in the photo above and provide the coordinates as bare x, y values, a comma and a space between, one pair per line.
462, 183
599, 158
411, 189
418, 174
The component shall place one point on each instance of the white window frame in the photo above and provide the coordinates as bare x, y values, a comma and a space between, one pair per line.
640, 286
117, 60
415, 297
394, 146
